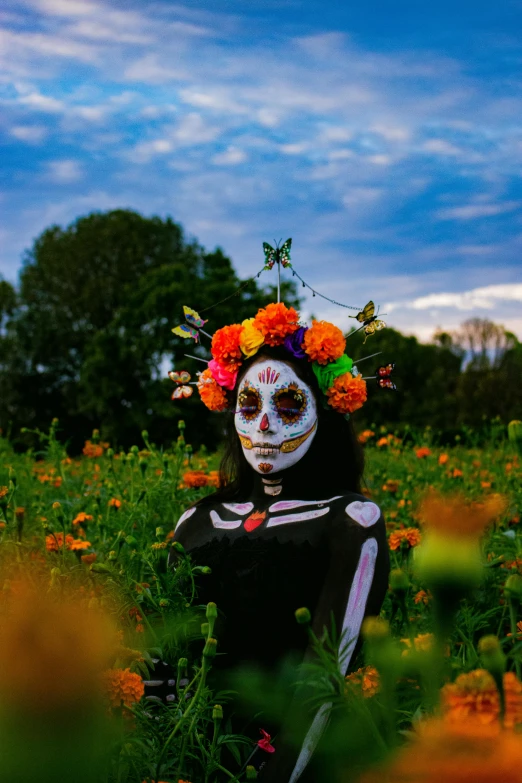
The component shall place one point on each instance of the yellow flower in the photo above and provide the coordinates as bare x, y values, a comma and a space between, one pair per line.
251, 338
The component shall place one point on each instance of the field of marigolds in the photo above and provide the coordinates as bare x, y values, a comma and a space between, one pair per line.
87, 603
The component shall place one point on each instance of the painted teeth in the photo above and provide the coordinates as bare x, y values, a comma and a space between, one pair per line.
265, 452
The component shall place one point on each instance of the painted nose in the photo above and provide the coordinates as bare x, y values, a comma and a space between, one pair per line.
265, 424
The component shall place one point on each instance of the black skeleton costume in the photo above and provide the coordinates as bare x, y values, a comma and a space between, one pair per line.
281, 548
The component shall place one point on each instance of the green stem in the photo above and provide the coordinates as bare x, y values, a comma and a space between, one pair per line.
514, 630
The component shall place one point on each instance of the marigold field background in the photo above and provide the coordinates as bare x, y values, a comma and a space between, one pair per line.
88, 602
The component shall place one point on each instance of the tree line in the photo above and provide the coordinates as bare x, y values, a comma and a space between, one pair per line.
86, 337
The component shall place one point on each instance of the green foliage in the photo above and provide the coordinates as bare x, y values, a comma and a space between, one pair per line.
91, 334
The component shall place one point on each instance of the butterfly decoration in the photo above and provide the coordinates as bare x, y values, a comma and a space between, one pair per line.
374, 326
367, 314
181, 379
193, 327
383, 376
278, 255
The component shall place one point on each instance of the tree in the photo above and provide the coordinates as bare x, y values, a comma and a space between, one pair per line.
97, 302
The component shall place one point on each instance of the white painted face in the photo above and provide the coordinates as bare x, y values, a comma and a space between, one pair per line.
276, 416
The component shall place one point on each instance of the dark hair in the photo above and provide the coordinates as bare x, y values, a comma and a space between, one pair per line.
333, 464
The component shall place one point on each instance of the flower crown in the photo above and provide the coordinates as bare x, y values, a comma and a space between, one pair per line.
322, 343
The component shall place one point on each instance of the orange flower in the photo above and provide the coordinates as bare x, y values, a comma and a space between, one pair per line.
443, 458
422, 452
93, 450
485, 484
123, 687
195, 479
409, 536
456, 473
473, 697
55, 542
454, 517
3, 492
324, 342
212, 394
422, 643
347, 394
213, 478
89, 559
458, 753
114, 503
82, 517
225, 346
365, 435
275, 322
365, 679
78, 544
382, 442
20, 513
422, 597
391, 485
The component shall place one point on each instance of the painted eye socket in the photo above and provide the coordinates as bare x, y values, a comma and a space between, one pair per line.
290, 404
249, 403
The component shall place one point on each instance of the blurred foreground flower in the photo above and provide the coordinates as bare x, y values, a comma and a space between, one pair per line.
460, 753
449, 557
474, 697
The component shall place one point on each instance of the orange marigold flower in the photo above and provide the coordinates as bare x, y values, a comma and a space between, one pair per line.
454, 517
456, 753
55, 541
114, 503
213, 478
443, 458
422, 597
456, 473
92, 450
382, 442
324, 342
212, 394
423, 451
391, 485
485, 484
365, 436
347, 394
473, 697
3, 492
225, 346
20, 513
275, 322
89, 559
409, 536
78, 544
195, 479
123, 687
422, 643
82, 517
366, 679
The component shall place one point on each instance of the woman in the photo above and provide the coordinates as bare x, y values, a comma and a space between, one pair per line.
288, 527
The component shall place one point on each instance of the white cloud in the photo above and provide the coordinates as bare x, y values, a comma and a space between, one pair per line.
230, 157
45, 103
64, 171
474, 211
33, 134
148, 70
484, 298
441, 147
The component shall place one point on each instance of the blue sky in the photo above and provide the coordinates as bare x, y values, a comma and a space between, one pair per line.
385, 138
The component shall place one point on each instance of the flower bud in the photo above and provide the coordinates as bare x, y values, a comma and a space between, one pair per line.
303, 616
210, 649
513, 587
375, 629
95, 436
164, 602
110, 453
492, 656
177, 547
217, 712
515, 431
251, 773
131, 540
160, 532
134, 450
399, 581
56, 505
181, 425
143, 465
211, 612
205, 629
145, 435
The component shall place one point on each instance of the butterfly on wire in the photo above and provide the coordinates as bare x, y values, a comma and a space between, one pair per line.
370, 322
181, 379
193, 326
277, 255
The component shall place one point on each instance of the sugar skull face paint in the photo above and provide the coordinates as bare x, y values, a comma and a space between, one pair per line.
276, 416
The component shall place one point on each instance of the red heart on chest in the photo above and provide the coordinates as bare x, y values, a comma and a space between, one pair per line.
254, 520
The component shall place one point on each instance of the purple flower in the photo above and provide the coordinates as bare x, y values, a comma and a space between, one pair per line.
294, 342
